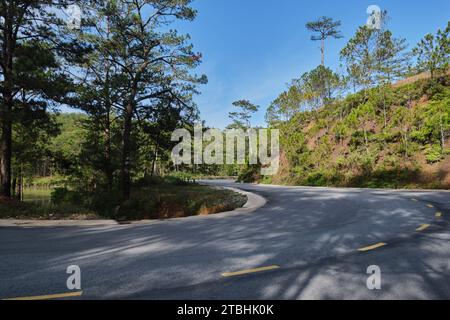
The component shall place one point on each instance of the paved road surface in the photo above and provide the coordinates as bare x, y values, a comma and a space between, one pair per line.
311, 234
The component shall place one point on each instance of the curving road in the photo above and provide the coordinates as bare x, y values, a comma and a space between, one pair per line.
316, 242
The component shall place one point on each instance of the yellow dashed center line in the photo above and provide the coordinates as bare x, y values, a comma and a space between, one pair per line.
423, 227
50, 296
242, 272
373, 247
430, 206
415, 200
438, 214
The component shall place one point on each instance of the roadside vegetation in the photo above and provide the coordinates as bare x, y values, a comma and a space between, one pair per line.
153, 198
385, 122
130, 79
358, 142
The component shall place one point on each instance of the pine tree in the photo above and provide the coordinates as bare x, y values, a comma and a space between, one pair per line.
153, 64
24, 21
324, 28
433, 52
241, 118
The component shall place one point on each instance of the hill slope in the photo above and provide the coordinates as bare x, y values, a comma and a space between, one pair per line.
386, 137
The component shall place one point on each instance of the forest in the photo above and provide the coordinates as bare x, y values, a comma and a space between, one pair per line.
132, 79
382, 122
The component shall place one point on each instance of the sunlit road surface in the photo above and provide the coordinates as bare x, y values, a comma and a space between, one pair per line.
305, 243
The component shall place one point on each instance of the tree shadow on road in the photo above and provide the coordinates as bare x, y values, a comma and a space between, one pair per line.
312, 234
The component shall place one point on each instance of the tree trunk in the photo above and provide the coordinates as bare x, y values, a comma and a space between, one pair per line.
6, 110
384, 107
154, 164
6, 145
20, 184
108, 169
13, 187
108, 165
323, 52
156, 156
126, 148
108, 156
442, 134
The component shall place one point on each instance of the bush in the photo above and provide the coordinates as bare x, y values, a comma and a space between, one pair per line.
139, 206
250, 174
433, 153
179, 178
317, 179
103, 202
176, 179
66, 196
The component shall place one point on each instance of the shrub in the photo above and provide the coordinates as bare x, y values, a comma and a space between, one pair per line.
66, 196
317, 179
249, 174
433, 153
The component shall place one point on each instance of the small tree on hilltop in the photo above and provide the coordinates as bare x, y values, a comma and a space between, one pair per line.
324, 28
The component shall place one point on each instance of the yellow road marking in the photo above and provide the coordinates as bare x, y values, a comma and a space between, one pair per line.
438, 214
242, 272
430, 206
423, 227
375, 246
50, 296
415, 200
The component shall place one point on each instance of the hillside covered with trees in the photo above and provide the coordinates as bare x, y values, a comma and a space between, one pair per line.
359, 142
385, 122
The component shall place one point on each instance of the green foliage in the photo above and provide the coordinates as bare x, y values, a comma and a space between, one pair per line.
433, 52
33, 81
381, 136
249, 174
317, 178
433, 153
324, 28
64, 195
67, 147
373, 56
319, 86
152, 198
352, 145
313, 90
286, 106
45, 211
241, 118
137, 86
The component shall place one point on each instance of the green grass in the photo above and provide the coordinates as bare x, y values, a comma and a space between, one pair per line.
44, 211
159, 201
37, 195
166, 201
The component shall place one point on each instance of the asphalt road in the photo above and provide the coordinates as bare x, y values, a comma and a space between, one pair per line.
313, 236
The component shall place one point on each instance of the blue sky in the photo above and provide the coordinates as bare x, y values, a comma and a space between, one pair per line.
253, 48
